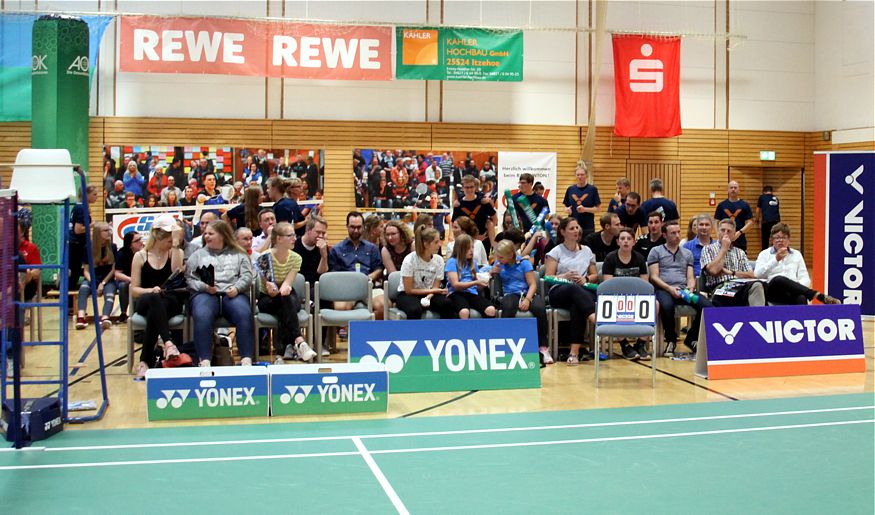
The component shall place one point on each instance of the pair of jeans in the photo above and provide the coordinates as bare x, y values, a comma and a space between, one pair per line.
206, 308
109, 290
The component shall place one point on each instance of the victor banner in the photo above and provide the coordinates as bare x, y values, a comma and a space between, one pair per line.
458, 54
220, 46
766, 341
647, 86
450, 355
844, 265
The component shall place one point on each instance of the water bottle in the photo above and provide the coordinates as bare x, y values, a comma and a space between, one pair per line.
552, 279
593, 287
690, 297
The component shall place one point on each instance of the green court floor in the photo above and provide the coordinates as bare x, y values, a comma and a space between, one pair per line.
799, 455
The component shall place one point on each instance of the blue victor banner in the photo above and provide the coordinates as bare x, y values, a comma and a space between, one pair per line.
844, 266
783, 340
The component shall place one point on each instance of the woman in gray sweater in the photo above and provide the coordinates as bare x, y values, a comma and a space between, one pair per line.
227, 294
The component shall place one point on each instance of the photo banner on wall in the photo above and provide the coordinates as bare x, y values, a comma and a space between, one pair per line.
458, 54
217, 46
542, 165
647, 86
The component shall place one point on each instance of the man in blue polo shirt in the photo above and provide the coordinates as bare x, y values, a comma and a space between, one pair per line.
582, 201
703, 238
658, 202
355, 254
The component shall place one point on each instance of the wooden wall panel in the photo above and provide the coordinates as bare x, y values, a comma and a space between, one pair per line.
186, 131
609, 161
641, 172
745, 146
14, 136
705, 169
653, 149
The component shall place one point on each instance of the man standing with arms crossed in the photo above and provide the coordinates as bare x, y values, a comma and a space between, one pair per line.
739, 212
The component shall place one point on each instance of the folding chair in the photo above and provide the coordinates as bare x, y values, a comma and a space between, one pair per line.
266, 320
352, 287
624, 286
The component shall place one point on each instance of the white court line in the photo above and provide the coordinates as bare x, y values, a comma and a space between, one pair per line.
432, 449
378, 473
444, 433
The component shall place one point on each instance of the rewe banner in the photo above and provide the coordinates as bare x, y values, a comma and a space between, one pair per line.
450, 355
768, 341
218, 46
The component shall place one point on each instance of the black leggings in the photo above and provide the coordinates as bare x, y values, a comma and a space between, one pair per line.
412, 307
158, 309
783, 290
510, 305
578, 300
466, 300
285, 308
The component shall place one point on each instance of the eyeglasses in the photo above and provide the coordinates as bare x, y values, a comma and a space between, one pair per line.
285, 234
138, 240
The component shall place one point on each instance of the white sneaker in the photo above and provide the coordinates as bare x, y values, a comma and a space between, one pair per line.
204, 363
305, 352
548, 358
9, 370
279, 361
246, 362
325, 352
290, 352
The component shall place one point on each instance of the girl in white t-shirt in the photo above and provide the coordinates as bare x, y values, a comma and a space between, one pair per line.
421, 275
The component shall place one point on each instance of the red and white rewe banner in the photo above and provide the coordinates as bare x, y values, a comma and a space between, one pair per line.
647, 86
247, 47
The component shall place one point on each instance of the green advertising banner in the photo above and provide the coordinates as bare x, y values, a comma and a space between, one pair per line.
59, 78
458, 54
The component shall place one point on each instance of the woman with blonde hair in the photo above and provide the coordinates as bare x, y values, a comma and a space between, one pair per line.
277, 269
422, 272
399, 243
103, 250
219, 276
464, 284
520, 288
150, 269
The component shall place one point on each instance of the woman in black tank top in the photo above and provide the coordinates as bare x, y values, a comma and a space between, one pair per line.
149, 270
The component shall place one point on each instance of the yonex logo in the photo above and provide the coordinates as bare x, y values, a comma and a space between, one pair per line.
175, 398
394, 362
728, 336
297, 393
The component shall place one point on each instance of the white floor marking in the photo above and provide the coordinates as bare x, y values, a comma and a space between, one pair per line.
443, 433
387, 487
433, 449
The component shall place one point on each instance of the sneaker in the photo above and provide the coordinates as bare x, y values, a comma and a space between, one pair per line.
547, 357
828, 299
204, 363
81, 323
641, 349
669, 349
9, 370
629, 351
290, 352
572, 360
123, 318
692, 346
142, 368
246, 362
105, 323
279, 360
325, 352
305, 352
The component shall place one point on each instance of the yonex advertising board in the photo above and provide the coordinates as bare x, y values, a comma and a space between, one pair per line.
765, 341
214, 392
328, 388
844, 266
450, 355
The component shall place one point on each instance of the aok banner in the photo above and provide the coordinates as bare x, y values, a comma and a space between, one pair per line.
217, 46
458, 54
780, 341
844, 265
450, 355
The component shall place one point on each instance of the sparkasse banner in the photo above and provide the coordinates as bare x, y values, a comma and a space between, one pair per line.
216, 46
450, 355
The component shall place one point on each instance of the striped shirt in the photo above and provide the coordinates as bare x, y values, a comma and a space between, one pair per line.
735, 261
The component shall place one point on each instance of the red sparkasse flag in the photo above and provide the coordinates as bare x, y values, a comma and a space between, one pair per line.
647, 86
